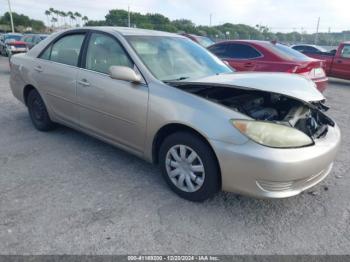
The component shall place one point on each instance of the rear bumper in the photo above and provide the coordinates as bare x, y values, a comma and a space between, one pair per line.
264, 172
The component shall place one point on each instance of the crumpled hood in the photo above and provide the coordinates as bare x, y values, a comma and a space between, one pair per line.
281, 83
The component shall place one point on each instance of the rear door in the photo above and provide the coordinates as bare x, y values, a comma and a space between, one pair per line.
113, 109
341, 63
55, 72
242, 57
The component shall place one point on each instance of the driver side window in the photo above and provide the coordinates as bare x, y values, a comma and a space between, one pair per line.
346, 51
104, 51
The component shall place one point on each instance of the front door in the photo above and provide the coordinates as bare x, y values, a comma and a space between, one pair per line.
341, 64
113, 109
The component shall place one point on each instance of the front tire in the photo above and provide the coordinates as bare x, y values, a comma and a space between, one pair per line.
189, 166
38, 112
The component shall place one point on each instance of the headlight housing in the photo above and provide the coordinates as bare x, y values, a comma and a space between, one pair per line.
272, 135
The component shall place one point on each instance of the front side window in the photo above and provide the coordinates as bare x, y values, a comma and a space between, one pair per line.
346, 51
176, 58
241, 51
66, 50
103, 52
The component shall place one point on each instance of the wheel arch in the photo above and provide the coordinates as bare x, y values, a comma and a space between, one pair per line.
26, 91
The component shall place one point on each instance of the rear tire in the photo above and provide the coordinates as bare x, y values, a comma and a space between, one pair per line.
38, 112
189, 166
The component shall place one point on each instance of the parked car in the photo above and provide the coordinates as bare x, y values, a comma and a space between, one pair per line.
264, 56
11, 44
169, 101
337, 63
33, 39
202, 40
304, 48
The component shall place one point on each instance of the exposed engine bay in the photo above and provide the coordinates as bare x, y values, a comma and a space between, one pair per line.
266, 106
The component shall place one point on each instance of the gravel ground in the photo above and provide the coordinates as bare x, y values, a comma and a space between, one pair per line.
66, 193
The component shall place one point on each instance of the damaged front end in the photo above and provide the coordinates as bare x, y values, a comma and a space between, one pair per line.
307, 117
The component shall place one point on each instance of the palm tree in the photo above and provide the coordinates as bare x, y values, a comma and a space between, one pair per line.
76, 14
85, 19
55, 12
64, 15
54, 20
48, 13
70, 14
72, 17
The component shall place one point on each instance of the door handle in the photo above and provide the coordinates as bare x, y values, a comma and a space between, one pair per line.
339, 61
84, 82
38, 69
248, 65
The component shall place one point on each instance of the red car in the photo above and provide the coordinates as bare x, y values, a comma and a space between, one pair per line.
249, 55
337, 63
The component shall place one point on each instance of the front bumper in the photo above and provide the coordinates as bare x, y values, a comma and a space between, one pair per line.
264, 172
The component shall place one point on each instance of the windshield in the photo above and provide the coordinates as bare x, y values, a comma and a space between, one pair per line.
13, 37
176, 58
288, 52
204, 41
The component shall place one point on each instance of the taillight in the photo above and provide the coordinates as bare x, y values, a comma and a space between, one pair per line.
303, 70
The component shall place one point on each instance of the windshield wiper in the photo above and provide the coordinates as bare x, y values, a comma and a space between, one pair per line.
177, 79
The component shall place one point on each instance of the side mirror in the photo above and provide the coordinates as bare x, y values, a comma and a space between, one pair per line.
124, 73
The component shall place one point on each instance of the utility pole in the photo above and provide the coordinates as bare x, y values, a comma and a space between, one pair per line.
11, 18
128, 16
211, 15
318, 27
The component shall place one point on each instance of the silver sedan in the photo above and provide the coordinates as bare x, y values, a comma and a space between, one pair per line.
169, 101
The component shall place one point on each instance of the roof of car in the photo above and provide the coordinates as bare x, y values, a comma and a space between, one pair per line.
132, 31
245, 41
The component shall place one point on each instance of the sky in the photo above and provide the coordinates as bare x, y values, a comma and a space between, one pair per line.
279, 15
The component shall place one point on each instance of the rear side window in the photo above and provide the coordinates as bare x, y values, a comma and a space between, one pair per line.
46, 54
241, 51
66, 50
287, 52
104, 51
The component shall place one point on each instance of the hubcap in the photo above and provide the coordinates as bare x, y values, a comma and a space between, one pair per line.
185, 168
